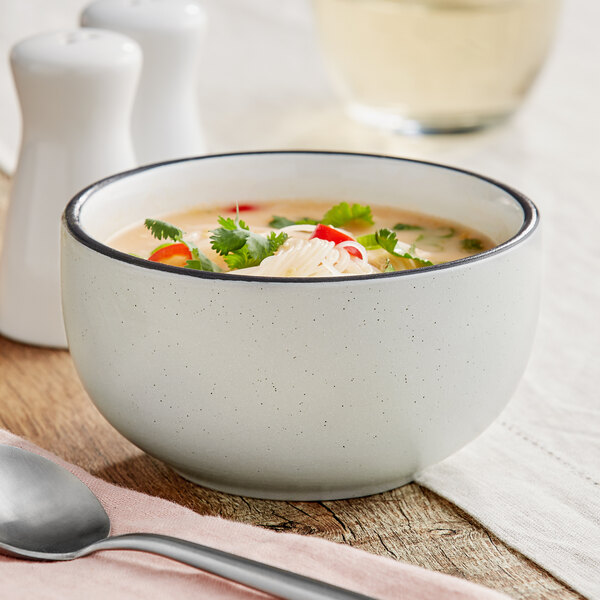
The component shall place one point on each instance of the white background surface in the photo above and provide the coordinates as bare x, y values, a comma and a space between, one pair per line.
534, 477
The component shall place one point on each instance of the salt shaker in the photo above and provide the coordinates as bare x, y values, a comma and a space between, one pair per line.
166, 121
76, 91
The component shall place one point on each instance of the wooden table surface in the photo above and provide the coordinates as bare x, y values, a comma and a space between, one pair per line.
42, 400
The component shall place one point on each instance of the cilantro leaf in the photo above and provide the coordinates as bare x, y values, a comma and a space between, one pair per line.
278, 222
225, 241
336, 216
163, 231
241, 247
433, 239
343, 213
386, 239
276, 240
240, 259
256, 249
230, 237
201, 262
471, 244
231, 224
307, 221
421, 262
430, 242
406, 227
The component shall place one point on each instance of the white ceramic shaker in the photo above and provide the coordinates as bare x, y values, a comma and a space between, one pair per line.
166, 121
76, 91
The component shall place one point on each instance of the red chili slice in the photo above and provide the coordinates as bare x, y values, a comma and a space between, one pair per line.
241, 208
324, 232
176, 255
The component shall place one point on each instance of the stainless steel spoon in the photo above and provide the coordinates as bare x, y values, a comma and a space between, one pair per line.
46, 513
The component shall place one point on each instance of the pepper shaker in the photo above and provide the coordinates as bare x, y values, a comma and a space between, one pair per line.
166, 121
76, 91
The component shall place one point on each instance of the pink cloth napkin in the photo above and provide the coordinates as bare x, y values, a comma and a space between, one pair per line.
123, 574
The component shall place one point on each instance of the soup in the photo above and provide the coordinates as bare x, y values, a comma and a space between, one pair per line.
299, 239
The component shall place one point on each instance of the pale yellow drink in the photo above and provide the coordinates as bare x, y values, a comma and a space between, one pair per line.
435, 64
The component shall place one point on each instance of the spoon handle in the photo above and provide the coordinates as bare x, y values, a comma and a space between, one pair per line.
281, 583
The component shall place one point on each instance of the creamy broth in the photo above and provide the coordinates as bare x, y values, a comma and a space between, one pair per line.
429, 240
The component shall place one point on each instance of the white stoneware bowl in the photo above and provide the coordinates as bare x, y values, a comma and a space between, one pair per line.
300, 389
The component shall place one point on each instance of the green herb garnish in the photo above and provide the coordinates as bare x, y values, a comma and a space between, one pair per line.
406, 227
421, 262
201, 262
339, 215
386, 239
433, 239
278, 222
256, 249
471, 244
241, 247
163, 231
230, 237
342, 213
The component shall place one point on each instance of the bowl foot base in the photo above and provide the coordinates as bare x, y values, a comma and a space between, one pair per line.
306, 494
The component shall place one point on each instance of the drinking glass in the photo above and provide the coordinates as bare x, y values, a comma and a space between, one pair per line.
435, 65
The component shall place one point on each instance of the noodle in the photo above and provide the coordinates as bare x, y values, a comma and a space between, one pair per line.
309, 258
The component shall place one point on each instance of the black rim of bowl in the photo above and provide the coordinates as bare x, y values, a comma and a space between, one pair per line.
74, 207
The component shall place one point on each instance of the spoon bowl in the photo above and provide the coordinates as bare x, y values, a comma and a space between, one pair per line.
46, 513
58, 514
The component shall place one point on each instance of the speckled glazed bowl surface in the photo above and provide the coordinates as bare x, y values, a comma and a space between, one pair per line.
300, 388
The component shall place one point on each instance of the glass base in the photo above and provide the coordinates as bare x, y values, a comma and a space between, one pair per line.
396, 122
